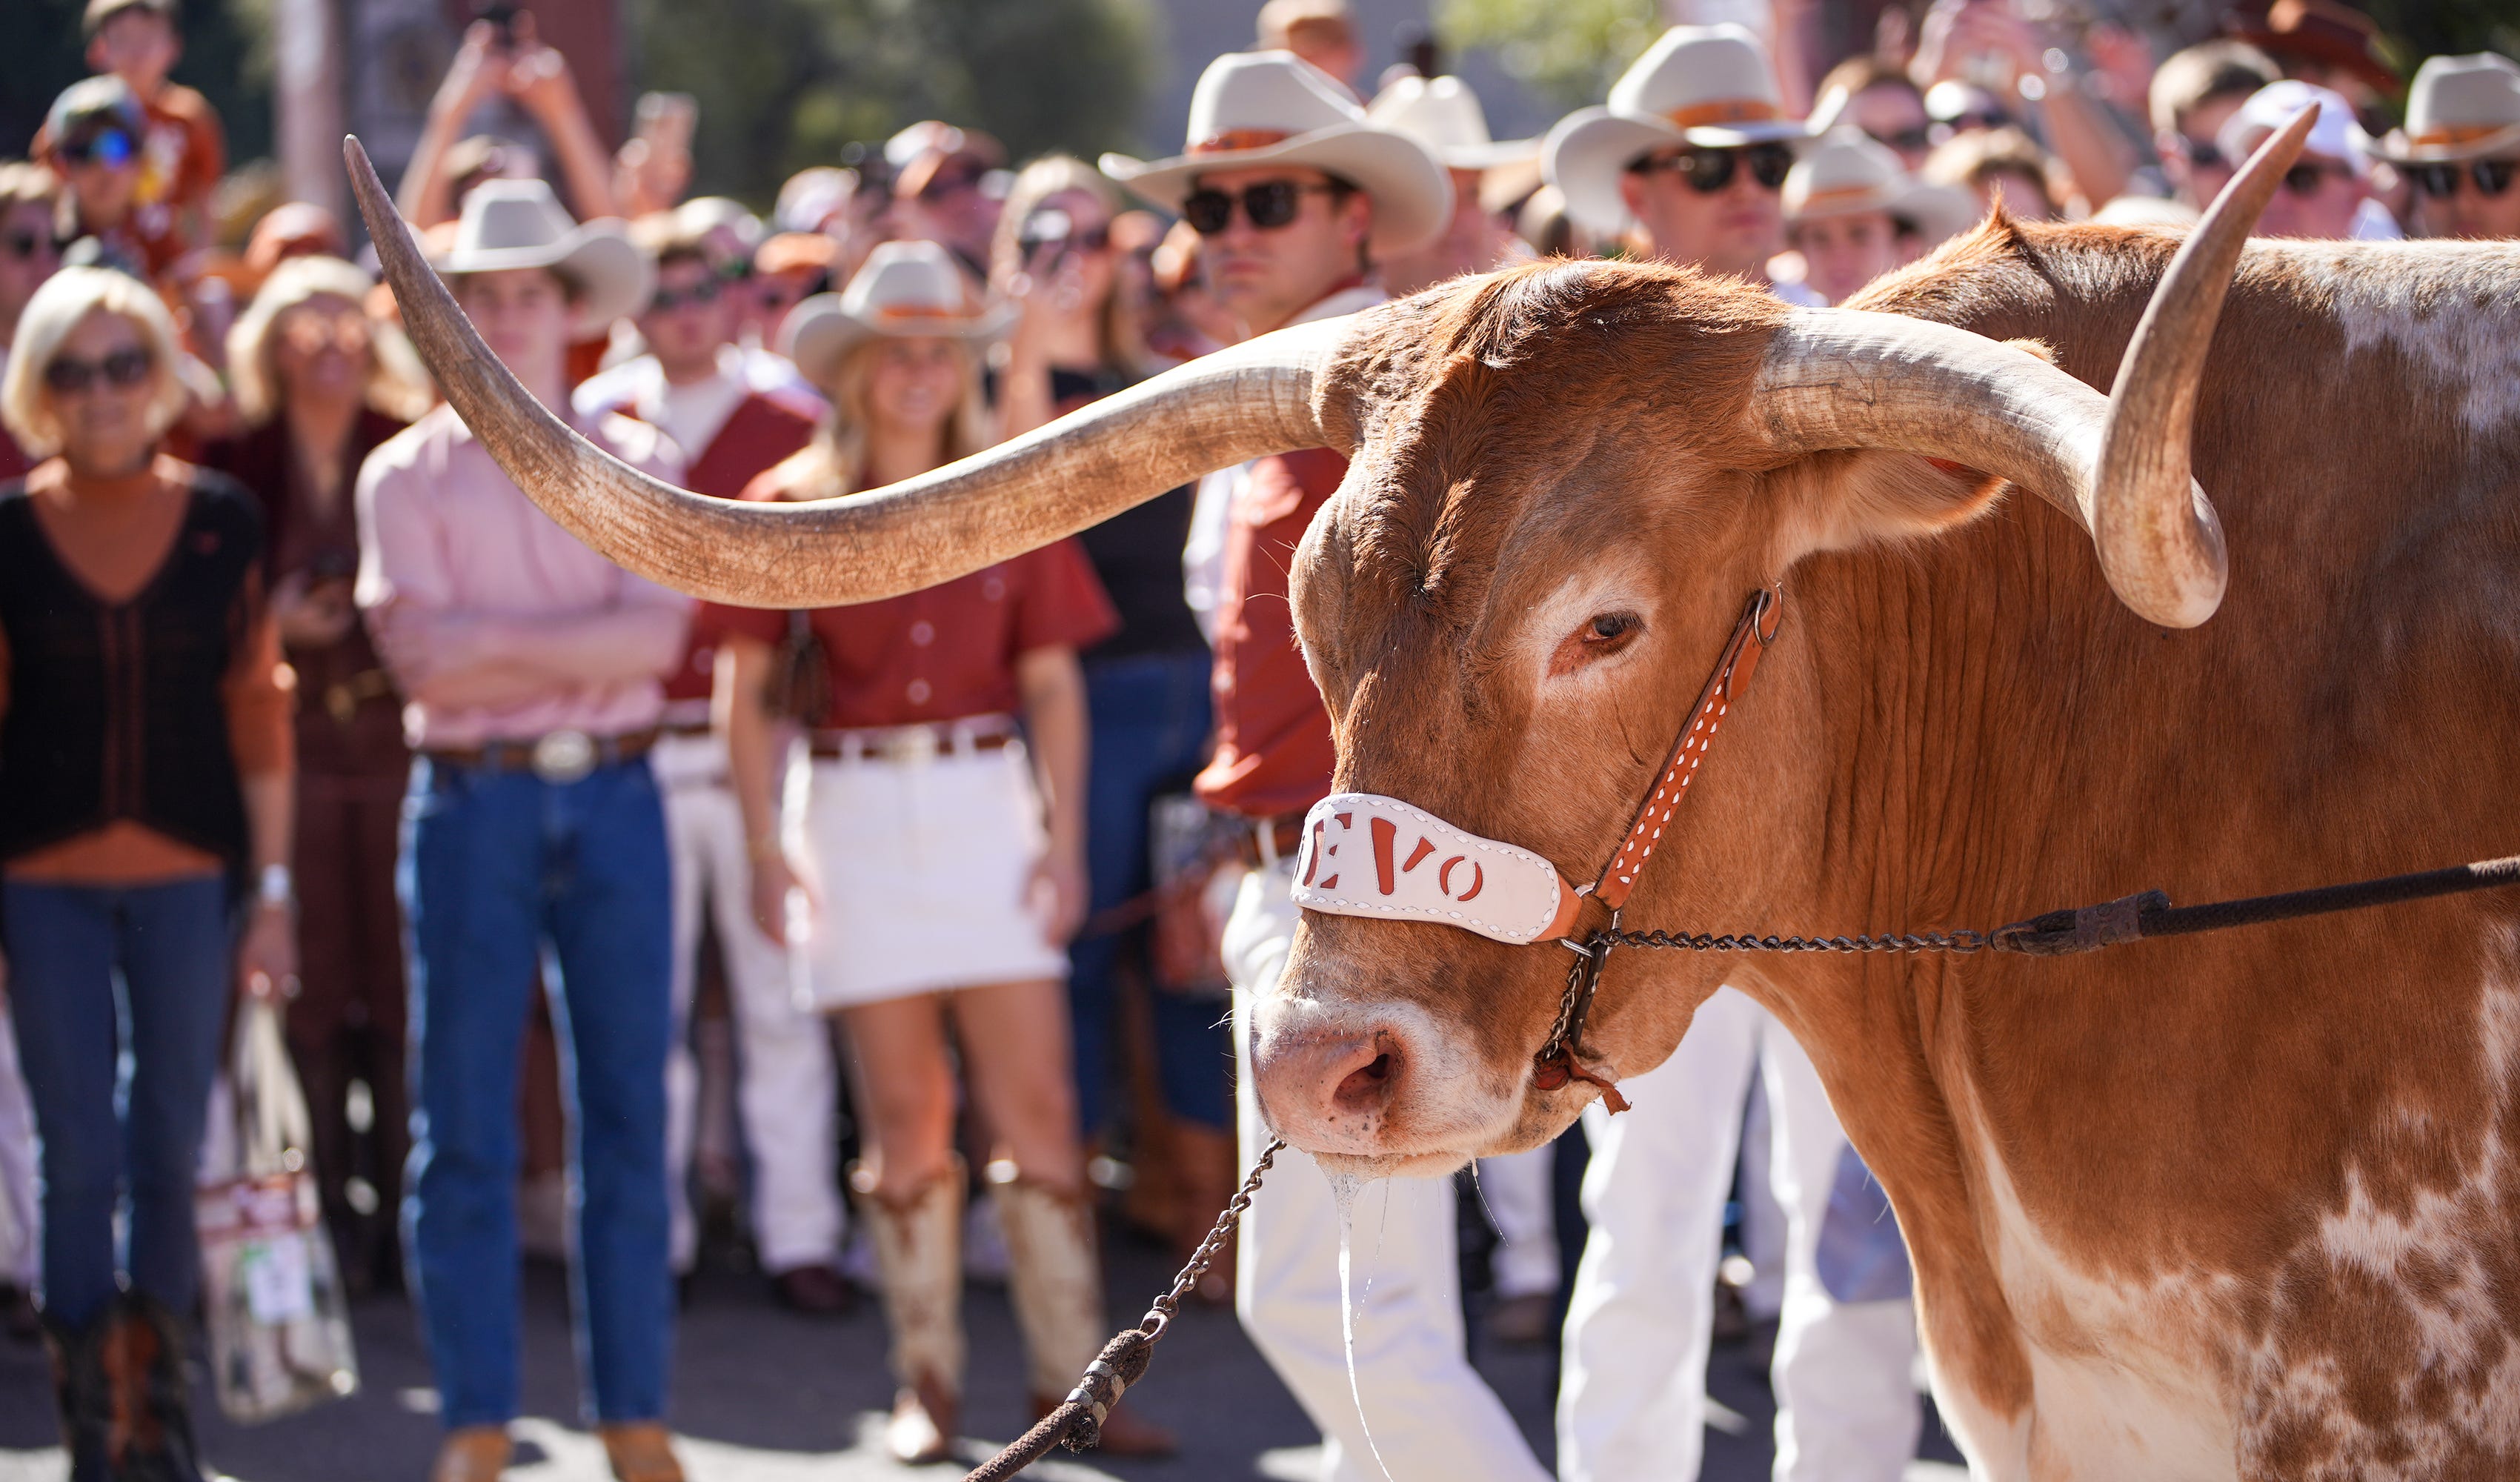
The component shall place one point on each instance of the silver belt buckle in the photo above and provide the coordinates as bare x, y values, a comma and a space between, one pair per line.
563, 757
914, 745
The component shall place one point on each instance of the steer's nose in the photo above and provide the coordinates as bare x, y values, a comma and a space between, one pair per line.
1329, 1089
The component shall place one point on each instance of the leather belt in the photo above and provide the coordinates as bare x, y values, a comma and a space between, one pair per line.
914, 743
341, 701
561, 756
1271, 839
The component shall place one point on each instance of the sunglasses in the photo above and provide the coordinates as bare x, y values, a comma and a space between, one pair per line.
1710, 170
23, 246
1092, 239
2204, 154
951, 182
780, 295
123, 368
2305, 180
314, 334
704, 292
2492, 177
110, 147
1918, 138
1268, 205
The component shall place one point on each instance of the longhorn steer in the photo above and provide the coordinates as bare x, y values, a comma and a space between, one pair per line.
2230, 1205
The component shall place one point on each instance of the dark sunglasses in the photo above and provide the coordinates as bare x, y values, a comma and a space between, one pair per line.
2309, 179
1919, 138
1710, 170
1268, 205
123, 368
2204, 154
23, 246
1092, 239
782, 294
704, 291
111, 146
2492, 177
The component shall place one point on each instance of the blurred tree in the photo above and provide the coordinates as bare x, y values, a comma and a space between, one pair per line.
221, 42
783, 84
1569, 51
2413, 29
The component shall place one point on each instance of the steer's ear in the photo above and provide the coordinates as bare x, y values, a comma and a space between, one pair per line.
1838, 501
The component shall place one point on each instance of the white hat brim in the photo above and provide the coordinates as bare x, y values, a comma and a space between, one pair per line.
819, 333
1411, 190
1589, 149
2397, 151
614, 277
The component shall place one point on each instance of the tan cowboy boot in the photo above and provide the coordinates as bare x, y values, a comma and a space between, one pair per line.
473, 1454
918, 1247
641, 1450
1057, 1282
1206, 1157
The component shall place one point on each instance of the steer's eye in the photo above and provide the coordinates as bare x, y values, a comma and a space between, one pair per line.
1603, 634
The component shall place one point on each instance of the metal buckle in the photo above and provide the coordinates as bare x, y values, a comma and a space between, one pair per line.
914, 745
563, 757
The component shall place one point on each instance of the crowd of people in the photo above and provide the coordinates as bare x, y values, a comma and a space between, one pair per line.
300, 698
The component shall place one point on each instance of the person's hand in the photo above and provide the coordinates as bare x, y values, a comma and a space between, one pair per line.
266, 959
538, 76
1059, 893
311, 617
774, 877
1991, 29
479, 73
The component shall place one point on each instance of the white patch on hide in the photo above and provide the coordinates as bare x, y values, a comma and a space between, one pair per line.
2457, 320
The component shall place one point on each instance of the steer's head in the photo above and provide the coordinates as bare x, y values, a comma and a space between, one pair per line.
1564, 480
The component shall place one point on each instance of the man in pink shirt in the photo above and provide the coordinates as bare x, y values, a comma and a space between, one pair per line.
532, 668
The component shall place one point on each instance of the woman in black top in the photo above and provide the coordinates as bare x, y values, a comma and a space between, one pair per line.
1147, 687
145, 772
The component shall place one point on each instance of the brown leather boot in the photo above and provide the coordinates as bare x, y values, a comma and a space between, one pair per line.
919, 1248
473, 1454
81, 1393
641, 1450
1057, 1282
1209, 1176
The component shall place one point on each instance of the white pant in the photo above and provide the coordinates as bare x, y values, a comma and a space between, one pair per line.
1429, 1413
786, 1086
21, 1233
1631, 1402
1516, 1188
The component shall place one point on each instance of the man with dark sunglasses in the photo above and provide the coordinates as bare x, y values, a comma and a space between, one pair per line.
947, 189
2327, 193
2460, 148
2194, 93
1688, 157
29, 254
1295, 194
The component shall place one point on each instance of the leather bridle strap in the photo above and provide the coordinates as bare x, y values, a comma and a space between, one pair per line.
1557, 1061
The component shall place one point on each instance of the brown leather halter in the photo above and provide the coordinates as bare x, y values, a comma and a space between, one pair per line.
1560, 1059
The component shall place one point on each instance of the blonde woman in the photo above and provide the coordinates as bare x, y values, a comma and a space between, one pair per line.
144, 765
941, 839
318, 386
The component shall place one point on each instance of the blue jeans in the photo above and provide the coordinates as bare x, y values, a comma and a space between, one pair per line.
1150, 724
496, 867
166, 946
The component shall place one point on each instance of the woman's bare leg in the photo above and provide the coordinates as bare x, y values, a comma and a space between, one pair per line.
905, 1092
1019, 1071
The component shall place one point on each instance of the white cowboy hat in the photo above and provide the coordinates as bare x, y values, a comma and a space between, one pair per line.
1847, 171
1273, 108
2459, 107
1701, 86
520, 224
905, 288
2334, 135
1444, 114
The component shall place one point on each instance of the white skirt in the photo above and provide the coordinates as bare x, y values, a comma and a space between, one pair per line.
926, 870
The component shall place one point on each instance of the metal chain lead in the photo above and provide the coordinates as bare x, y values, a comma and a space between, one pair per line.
1160, 1316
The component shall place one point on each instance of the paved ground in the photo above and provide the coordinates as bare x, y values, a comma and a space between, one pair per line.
767, 1397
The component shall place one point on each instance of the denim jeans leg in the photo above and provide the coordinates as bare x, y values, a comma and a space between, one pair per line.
176, 970
61, 1002
613, 928
471, 882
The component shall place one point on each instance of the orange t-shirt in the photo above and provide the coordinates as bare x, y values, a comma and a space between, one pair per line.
183, 153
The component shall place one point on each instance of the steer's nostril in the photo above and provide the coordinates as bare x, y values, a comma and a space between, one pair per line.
1365, 1085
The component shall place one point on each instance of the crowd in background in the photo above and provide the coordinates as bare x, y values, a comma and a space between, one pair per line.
939, 907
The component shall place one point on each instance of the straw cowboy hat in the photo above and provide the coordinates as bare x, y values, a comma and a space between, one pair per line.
2461, 107
1444, 114
1847, 171
1273, 108
520, 224
1700, 86
905, 288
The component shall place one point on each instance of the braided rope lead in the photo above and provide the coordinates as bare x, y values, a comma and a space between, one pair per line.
1707, 941
1077, 1422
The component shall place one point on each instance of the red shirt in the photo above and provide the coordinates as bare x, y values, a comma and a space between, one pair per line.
1273, 739
948, 652
759, 434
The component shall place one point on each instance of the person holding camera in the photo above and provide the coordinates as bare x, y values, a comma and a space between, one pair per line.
502, 58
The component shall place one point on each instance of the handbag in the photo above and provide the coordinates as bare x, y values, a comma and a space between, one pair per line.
271, 1294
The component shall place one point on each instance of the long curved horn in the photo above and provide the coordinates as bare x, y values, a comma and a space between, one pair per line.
1851, 379
1255, 399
